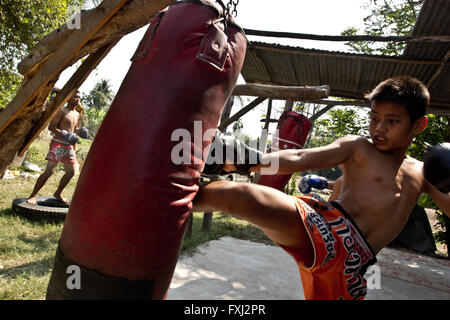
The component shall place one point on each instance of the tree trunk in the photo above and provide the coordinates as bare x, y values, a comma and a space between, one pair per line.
21, 120
132, 16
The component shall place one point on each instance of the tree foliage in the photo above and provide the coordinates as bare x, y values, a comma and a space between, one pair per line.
22, 24
100, 97
389, 17
340, 122
97, 103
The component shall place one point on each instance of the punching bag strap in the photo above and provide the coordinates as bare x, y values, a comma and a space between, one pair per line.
213, 49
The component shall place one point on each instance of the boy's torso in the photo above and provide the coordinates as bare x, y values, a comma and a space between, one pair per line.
69, 120
379, 192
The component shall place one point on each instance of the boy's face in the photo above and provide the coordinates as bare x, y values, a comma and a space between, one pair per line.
75, 99
390, 126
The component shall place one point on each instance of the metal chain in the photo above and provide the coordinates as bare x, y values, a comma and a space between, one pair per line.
234, 4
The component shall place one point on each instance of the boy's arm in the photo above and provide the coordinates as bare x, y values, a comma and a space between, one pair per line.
442, 200
78, 124
290, 161
336, 189
53, 126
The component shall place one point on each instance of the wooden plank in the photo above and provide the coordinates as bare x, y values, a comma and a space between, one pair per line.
67, 91
282, 92
241, 112
56, 63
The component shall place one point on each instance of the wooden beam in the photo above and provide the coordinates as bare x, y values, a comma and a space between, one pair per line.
288, 105
315, 116
439, 70
226, 112
282, 92
56, 64
132, 16
340, 103
64, 95
292, 35
269, 112
265, 130
241, 112
269, 120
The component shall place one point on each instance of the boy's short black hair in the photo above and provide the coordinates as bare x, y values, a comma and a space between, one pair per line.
404, 90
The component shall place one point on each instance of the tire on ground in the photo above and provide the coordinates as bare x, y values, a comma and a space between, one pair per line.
48, 209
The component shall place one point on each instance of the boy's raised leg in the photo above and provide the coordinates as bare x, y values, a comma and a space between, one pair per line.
274, 212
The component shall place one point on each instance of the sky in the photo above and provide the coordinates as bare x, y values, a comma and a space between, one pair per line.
322, 17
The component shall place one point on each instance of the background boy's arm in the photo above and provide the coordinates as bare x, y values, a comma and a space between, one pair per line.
53, 126
293, 160
442, 200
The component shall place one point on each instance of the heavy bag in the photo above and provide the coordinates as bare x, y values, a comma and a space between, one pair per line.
128, 213
292, 131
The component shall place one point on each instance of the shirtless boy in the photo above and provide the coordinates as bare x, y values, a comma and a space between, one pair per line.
334, 242
63, 126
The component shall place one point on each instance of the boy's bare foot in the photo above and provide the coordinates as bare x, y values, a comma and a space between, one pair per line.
61, 198
32, 200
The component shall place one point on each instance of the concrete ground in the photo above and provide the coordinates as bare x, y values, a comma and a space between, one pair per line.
232, 269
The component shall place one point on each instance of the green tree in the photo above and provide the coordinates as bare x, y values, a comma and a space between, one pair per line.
97, 103
22, 24
389, 17
237, 126
338, 123
100, 97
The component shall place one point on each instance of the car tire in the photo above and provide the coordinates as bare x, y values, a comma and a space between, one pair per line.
48, 209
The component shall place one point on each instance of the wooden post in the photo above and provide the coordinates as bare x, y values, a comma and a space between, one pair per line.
264, 131
226, 113
288, 106
190, 220
240, 113
264, 134
207, 220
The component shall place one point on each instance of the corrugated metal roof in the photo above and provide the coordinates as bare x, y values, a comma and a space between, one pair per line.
353, 75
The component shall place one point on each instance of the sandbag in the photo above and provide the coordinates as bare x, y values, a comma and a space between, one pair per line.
129, 209
292, 131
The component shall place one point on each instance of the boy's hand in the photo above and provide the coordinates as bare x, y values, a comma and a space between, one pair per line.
227, 154
436, 166
83, 133
69, 137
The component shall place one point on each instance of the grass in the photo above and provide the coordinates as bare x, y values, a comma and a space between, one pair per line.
27, 248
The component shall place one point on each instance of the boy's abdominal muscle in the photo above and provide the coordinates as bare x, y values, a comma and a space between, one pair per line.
380, 215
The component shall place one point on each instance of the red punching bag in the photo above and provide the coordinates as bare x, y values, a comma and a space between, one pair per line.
128, 213
292, 131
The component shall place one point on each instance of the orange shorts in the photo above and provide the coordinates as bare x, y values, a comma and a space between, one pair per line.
341, 253
61, 152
